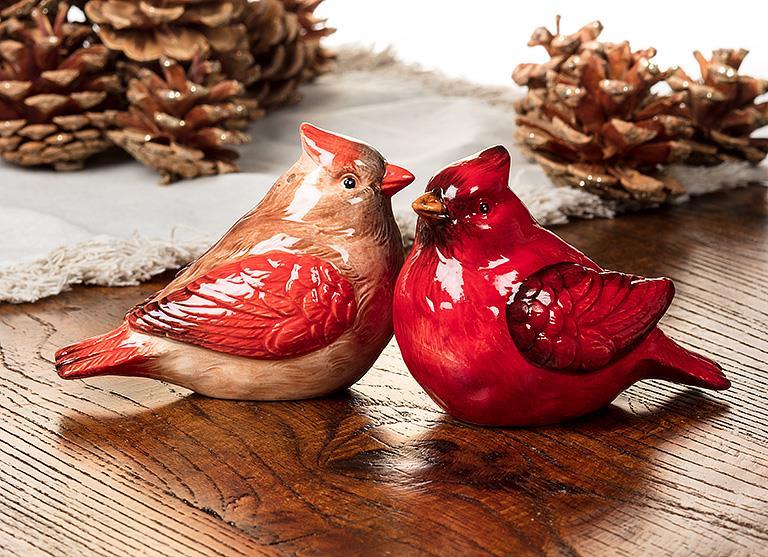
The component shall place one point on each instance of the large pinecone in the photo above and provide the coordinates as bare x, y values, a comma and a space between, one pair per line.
178, 125
590, 119
284, 38
722, 107
56, 90
313, 30
147, 30
22, 8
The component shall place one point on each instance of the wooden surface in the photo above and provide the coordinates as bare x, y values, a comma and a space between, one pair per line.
122, 467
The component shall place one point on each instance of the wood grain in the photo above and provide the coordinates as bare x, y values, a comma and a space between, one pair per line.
121, 467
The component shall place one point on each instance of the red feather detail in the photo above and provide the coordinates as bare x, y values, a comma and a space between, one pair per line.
568, 317
270, 306
330, 149
106, 354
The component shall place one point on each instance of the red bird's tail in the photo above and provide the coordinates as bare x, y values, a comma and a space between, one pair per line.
114, 353
672, 362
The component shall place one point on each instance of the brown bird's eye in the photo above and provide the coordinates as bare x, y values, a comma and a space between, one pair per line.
349, 182
484, 208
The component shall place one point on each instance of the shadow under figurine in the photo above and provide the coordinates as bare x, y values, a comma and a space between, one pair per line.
293, 302
503, 323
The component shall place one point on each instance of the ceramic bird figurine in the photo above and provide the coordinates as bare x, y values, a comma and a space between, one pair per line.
503, 323
294, 301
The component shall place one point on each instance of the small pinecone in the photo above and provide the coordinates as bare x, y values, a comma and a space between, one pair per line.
591, 121
23, 8
284, 38
56, 92
147, 30
722, 107
179, 126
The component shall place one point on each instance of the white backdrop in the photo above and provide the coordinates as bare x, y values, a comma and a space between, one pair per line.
483, 40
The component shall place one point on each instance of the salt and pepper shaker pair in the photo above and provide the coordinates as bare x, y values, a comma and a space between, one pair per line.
500, 321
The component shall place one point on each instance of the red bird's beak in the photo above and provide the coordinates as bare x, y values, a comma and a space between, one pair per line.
430, 206
395, 179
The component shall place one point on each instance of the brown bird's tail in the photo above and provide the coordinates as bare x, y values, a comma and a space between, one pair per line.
671, 362
114, 353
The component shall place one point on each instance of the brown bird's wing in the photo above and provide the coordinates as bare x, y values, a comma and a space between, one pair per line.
270, 306
567, 317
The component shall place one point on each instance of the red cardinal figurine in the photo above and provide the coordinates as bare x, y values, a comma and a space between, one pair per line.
503, 323
293, 302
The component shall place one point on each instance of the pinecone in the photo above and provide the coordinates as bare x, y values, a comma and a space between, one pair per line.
722, 107
147, 30
178, 125
284, 37
591, 121
55, 92
23, 8
313, 30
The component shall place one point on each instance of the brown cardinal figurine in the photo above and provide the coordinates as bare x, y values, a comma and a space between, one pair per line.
293, 302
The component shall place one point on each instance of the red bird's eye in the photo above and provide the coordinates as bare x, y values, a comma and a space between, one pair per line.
349, 182
484, 208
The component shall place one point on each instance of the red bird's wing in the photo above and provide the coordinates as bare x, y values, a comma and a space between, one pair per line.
271, 306
567, 317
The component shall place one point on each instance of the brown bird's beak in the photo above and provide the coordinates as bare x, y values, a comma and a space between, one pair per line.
430, 206
395, 179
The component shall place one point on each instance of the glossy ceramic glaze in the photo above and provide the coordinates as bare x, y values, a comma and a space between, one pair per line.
293, 302
503, 323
